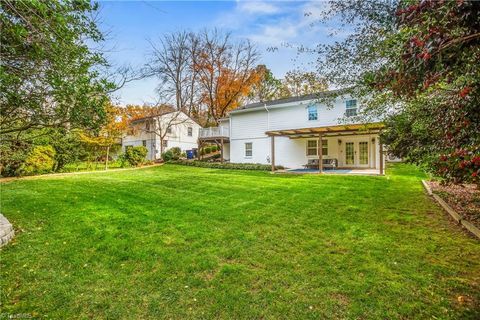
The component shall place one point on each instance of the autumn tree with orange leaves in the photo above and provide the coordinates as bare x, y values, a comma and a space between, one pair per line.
109, 134
226, 72
204, 74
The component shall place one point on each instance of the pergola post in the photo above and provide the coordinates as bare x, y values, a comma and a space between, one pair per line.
320, 153
381, 158
273, 152
221, 150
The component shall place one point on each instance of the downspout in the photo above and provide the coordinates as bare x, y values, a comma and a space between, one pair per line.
268, 116
269, 160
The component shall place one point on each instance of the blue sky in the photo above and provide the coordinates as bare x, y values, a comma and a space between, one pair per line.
130, 24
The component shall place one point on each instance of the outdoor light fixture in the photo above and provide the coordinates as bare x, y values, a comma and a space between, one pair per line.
339, 141
373, 140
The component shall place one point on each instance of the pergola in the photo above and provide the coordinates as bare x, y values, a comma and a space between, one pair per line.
326, 131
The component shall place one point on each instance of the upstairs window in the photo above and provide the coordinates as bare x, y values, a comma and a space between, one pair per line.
165, 144
312, 113
351, 108
248, 149
144, 143
169, 130
190, 131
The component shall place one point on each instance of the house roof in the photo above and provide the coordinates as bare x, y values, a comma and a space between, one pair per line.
311, 96
160, 115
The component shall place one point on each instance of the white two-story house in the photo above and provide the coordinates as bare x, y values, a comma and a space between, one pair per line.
288, 132
159, 133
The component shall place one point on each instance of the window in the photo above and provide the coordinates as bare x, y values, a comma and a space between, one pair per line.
351, 108
312, 149
312, 113
248, 149
190, 131
144, 143
169, 130
165, 144
147, 125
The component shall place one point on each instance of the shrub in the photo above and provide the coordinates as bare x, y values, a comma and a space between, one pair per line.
208, 150
134, 156
40, 160
167, 155
234, 166
172, 154
177, 153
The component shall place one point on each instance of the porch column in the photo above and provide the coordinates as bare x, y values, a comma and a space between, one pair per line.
381, 157
221, 150
273, 152
320, 153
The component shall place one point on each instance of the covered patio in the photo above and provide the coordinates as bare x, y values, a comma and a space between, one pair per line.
349, 131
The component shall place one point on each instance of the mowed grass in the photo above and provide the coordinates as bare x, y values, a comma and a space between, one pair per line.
182, 243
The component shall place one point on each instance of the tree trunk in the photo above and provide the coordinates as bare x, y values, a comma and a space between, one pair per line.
106, 158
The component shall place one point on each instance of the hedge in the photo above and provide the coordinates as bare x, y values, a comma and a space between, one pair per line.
226, 165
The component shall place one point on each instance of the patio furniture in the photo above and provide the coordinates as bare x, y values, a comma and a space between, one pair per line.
327, 163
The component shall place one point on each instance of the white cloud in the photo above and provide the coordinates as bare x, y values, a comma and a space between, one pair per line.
257, 7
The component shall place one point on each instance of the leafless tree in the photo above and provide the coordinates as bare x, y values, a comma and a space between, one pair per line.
171, 62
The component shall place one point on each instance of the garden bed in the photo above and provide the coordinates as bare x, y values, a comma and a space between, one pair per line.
226, 165
464, 199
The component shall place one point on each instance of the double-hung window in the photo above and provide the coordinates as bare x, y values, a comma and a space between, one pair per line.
190, 131
248, 149
312, 149
312, 113
351, 108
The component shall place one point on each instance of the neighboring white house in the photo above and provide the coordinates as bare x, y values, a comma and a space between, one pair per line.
176, 128
287, 132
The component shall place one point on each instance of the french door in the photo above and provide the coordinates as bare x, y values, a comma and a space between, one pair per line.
356, 154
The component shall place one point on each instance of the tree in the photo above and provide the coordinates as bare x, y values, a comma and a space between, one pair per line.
110, 134
49, 76
415, 63
172, 62
267, 88
297, 83
226, 72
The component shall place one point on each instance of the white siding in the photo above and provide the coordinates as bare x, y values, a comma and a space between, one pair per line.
177, 138
251, 125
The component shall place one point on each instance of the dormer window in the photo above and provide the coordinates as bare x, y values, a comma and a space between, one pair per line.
351, 108
312, 113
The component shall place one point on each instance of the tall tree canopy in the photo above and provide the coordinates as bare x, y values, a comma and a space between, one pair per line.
49, 76
267, 88
297, 83
204, 74
416, 65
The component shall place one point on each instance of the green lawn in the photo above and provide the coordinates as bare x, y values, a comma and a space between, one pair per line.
181, 242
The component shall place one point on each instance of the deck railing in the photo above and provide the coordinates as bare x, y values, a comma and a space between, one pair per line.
213, 132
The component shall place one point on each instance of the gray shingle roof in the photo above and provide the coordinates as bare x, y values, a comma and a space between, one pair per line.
311, 96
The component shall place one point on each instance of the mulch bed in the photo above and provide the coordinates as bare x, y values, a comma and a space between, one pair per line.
465, 199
